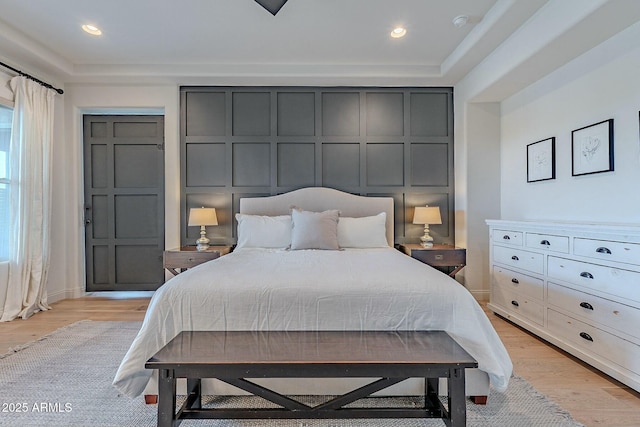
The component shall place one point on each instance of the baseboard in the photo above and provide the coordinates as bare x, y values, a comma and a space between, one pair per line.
65, 294
481, 294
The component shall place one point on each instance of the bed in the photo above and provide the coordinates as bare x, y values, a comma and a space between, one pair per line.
275, 281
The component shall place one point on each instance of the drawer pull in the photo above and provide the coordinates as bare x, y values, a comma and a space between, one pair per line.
586, 274
586, 305
514, 302
190, 260
603, 250
505, 237
545, 243
514, 280
586, 336
515, 258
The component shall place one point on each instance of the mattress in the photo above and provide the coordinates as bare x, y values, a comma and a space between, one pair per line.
350, 289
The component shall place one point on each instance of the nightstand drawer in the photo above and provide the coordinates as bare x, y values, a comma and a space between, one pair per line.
440, 257
176, 260
187, 259
446, 258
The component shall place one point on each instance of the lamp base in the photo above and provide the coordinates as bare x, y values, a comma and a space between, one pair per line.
426, 241
202, 244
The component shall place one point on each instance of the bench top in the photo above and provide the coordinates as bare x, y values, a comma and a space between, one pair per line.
311, 348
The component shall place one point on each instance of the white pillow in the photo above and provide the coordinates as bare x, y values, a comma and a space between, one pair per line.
364, 232
314, 230
257, 231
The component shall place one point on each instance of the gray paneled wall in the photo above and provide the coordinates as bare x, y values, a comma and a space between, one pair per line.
252, 141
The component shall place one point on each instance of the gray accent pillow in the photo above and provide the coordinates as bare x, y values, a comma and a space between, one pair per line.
314, 230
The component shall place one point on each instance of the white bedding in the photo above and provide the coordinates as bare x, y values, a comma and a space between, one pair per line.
353, 289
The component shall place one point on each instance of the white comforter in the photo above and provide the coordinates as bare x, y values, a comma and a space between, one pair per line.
356, 289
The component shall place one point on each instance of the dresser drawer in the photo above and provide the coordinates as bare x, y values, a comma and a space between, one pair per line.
519, 283
595, 310
624, 284
593, 340
518, 258
520, 305
507, 237
548, 242
611, 251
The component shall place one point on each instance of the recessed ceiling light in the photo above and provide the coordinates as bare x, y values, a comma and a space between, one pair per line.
460, 21
398, 32
91, 29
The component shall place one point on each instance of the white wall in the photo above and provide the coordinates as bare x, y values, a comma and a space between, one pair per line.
602, 84
106, 99
490, 149
477, 182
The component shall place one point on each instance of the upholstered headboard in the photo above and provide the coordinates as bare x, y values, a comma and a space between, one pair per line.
318, 199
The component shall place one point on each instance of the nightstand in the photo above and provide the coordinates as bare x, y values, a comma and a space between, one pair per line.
179, 259
442, 257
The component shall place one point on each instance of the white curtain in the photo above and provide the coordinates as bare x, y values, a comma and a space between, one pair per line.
30, 174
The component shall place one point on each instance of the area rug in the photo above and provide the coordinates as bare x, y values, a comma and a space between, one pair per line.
64, 379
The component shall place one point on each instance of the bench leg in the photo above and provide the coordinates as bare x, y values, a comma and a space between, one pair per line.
432, 386
194, 392
166, 398
479, 400
457, 401
150, 399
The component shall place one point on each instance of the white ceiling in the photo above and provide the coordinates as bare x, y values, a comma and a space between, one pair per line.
307, 42
241, 32
307, 37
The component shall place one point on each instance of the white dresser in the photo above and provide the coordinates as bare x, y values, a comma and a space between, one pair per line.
575, 285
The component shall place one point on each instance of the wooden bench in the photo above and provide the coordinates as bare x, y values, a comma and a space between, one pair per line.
234, 356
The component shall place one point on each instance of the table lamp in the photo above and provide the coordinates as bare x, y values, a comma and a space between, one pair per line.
202, 217
427, 215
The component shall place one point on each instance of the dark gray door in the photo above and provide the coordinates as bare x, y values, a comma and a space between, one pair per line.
124, 202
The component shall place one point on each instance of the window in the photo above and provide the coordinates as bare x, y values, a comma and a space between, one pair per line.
6, 116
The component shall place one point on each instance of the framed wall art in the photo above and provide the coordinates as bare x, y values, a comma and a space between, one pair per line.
592, 148
541, 160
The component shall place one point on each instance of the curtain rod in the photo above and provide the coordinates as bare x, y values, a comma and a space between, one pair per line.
30, 77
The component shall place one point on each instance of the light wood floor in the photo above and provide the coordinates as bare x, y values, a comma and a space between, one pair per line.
592, 398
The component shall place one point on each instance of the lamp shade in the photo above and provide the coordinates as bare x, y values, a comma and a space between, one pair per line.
427, 215
203, 216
